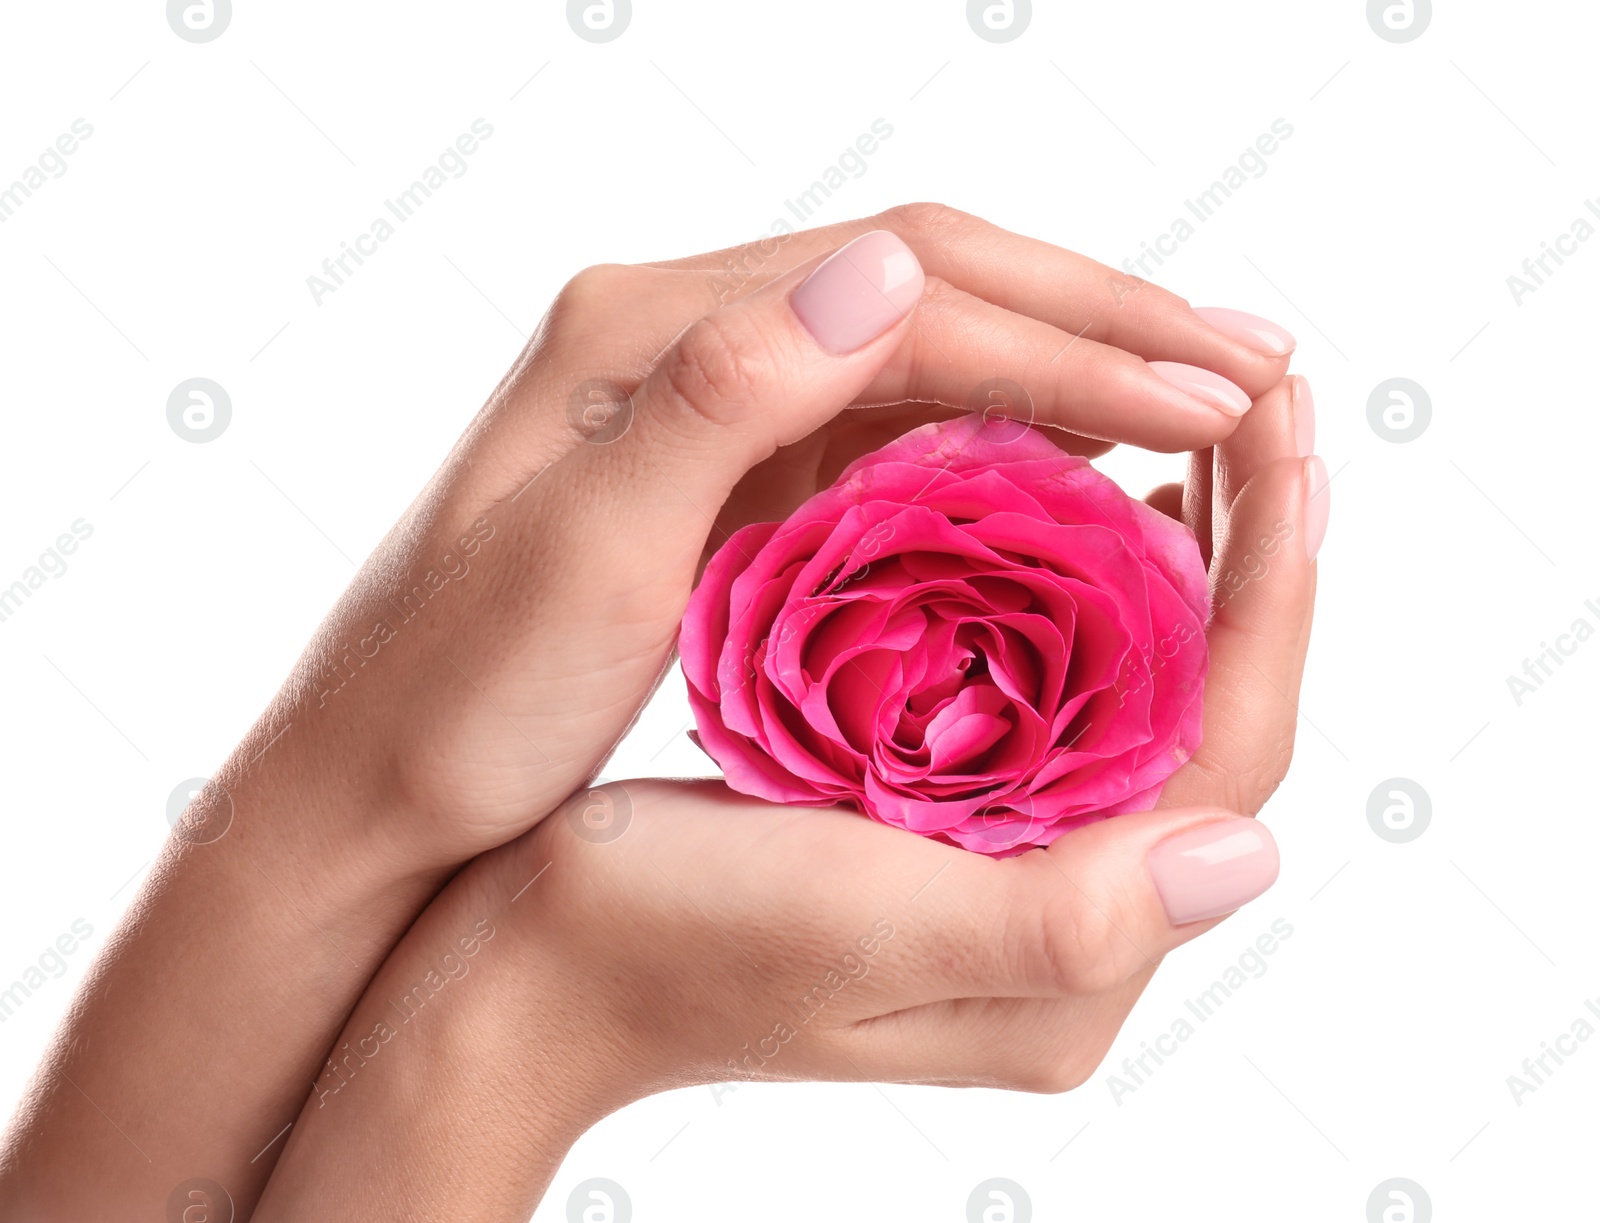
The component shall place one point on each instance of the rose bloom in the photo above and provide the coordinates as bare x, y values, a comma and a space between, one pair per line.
972, 635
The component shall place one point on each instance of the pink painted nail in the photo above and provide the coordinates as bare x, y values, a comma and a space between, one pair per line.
858, 292
1305, 416
1213, 390
1213, 869
1251, 330
1315, 476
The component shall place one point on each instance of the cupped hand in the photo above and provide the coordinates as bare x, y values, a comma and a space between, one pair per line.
708, 937
504, 636
655, 934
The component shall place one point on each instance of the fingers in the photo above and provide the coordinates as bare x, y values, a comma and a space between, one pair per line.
1018, 1044
1263, 583
1167, 499
959, 340
1102, 904
1280, 423
1197, 501
1070, 292
759, 373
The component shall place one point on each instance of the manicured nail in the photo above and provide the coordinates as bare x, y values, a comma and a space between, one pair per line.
858, 292
1305, 415
1213, 390
1213, 869
1315, 476
1251, 330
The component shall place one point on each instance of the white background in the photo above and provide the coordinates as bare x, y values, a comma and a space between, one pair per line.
1418, 177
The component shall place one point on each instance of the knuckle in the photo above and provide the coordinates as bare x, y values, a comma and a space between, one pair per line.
1128, 304
937, 291
1058, 1072
716, 370
1266, 775
1069, 1061
1083, 952
926, 219
1154, 302
1242, 779
591, 292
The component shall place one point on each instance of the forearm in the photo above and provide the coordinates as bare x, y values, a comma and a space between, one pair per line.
468, 1050
197, 1035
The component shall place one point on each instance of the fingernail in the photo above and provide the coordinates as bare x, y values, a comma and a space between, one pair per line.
1213, 390
1315, 477
1305, 415
858, 292
1251, 330
1213, 869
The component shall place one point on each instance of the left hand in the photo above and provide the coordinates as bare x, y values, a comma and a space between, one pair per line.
503, 638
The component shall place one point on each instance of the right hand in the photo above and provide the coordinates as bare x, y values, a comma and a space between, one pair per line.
672, 953
717, 938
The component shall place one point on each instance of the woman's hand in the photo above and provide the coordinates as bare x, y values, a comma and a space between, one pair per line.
502, 638
660, 934
645, 422
716, 938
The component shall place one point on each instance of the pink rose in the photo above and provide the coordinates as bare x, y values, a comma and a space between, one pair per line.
972, 635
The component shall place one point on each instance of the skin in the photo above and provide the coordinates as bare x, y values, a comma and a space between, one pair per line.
1012, 973
389, 760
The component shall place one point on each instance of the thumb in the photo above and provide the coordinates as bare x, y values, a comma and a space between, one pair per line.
763, 371
1101, 905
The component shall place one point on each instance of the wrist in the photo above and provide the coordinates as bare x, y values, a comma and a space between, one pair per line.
471, 1016
265, 914
296, 797
525, 1015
